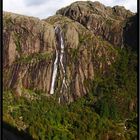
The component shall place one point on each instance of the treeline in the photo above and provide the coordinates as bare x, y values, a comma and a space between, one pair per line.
109, 111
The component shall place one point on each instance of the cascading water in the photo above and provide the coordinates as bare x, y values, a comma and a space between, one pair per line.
58, 60
55, 67
61, 62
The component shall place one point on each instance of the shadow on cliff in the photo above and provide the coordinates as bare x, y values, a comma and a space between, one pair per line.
130, 33
12, 133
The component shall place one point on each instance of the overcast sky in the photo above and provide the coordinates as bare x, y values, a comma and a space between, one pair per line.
45, 8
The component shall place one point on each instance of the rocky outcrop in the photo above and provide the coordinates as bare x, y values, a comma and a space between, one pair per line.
34, 49
101, 20
28, 53
61, 55
86, 55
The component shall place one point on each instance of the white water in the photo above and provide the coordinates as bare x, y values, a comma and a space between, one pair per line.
55, 65
61, 62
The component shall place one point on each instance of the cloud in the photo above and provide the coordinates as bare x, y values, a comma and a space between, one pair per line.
43, 8
128, 4
34, 2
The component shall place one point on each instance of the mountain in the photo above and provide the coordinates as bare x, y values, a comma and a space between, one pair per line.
30, 51
101, 20
30, 48
85, 58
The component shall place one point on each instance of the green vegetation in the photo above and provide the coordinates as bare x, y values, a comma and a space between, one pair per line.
34, 57
74, 54
109, 22
7, 22
103, 113
17, 39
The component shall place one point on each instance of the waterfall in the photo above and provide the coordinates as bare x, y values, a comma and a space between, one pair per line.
55, 67
59, 61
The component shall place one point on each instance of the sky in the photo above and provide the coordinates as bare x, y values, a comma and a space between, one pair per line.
45, 8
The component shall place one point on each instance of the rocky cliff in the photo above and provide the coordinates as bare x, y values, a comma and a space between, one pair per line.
101, 20
62, 54
86, 53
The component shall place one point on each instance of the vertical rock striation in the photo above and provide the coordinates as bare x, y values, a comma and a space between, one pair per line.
65, 59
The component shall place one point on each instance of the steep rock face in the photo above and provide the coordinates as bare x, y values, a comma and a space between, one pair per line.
130, 32
28, 52
61, 55
35, 50
104, 21
86, 55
